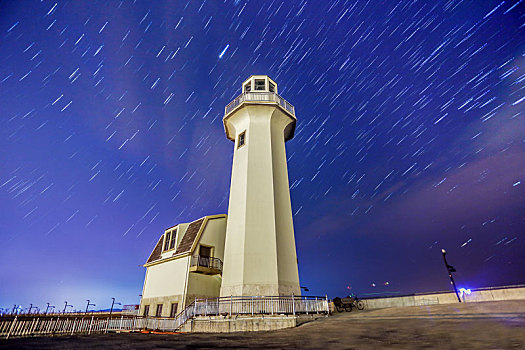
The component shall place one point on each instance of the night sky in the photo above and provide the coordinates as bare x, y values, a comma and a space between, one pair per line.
410, 138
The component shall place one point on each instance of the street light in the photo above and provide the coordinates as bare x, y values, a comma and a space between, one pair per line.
305, 289
65, 306
450, 269
112, 303
49, 306
87, 306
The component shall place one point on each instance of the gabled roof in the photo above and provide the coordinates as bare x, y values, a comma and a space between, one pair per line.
188, 241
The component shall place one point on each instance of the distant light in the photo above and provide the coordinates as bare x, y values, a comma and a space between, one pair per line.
516, 184
463, 291
224, 51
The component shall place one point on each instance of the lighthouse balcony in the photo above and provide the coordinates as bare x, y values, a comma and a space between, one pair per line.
260, 97
206, 265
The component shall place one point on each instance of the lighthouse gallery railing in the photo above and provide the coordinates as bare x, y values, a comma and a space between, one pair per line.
260, 97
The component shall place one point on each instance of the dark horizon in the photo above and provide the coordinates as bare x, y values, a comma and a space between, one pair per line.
410, 138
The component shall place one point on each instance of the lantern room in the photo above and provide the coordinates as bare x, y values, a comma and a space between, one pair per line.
259, 83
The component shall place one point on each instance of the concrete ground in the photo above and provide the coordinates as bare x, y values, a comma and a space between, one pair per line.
487, 325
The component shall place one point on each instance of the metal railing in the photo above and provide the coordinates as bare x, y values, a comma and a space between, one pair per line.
260, 97
256, 305
206, 261
19, 326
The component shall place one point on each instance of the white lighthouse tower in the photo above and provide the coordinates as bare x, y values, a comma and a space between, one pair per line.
259, 253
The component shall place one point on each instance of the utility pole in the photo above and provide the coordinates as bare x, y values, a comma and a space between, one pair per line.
450, 269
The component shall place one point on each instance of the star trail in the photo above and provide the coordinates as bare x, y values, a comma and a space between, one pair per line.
410, 138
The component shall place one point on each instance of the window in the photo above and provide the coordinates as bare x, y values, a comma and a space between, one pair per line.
159, 310
146, 310
248, 87
260, 84
167, 240
272, 86
242, 139
173, 239
173, 311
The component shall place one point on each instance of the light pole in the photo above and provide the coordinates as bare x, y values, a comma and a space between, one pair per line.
65, 306
87, 306
112, 304
49, 306
450, 269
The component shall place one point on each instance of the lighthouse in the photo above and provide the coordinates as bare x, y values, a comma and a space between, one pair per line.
259, 252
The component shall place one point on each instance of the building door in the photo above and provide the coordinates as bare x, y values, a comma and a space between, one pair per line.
173, 311
204, 256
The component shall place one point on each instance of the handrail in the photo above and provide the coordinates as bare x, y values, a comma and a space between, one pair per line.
260, 97
206, 261
18, 326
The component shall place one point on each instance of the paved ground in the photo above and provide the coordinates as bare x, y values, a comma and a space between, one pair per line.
489, 325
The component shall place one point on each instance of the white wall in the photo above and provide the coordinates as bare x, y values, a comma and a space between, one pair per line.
167, 278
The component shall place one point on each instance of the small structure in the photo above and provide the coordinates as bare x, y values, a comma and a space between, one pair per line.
185, 264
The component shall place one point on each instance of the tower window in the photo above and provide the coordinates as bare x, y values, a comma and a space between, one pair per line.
146, 310
260, 84
248, 87
272, 86
242, 139
173, 239
159, 310
167, 240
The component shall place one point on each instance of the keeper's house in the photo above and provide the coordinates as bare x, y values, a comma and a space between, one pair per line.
185, 264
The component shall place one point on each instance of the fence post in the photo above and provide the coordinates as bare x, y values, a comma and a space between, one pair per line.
206, 307
107, 325
327, 306
121, 320
252, 305
293, 304
231, 302
11, 327
306, 304
74, 324
90, 324
271, 303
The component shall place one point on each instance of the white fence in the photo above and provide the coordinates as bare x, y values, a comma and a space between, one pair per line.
26, 326
20, 326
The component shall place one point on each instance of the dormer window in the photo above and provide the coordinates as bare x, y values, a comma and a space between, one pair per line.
260, 85
173, 239
167, 240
